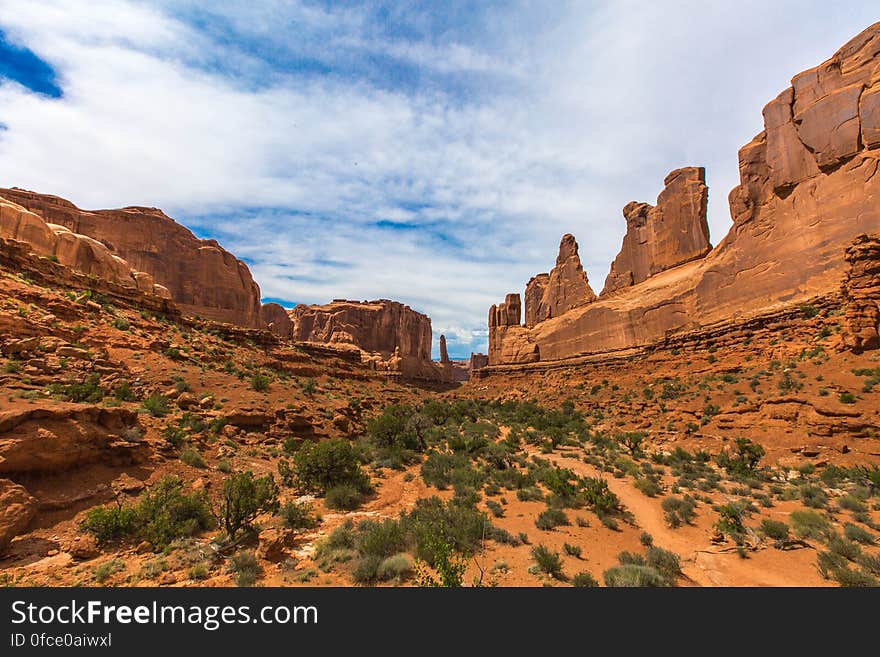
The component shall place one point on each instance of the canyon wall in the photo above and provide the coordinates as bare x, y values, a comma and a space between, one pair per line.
203, 278
807, 189
72, 250
394, 337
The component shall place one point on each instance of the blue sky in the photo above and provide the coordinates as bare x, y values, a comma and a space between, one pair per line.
428, 152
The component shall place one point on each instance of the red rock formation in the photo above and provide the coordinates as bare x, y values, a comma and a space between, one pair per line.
861, 290
375, 326
564, 288
509, 342
17, 508
669, 234
444, 354
535, 289
203, 278
394, 337
277, 320
807, 189
477, 361
72, 250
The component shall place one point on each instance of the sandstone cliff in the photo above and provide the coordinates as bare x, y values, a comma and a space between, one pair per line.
276, 319
203, 278
394, 337
662, 236
861, 290
807, 189
564, 288
69, 249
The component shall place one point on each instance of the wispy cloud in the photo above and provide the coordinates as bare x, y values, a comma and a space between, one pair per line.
428, 152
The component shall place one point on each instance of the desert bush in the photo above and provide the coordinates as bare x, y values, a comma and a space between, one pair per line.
244, 498
858, 534
343, 497
87, 391
299, 516
192, 457
572, 550
156, 405
667, 563
743, 459
632, 441
809, 524
165, 512
775, 529
246, 568
847, 398
843, 547
321, 465
548, 562
108, 523
854, 578
679, 511
600, 498
397, 567
584, 579
813, 496
632, 575
495, 508
551, 518
260, 382
649, 486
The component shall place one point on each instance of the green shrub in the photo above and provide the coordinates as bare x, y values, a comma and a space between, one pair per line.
448, 565
88, 391
495, 508
397, 567
858, 534
246, 568
649, 486
813, 496
744, 458
584, 579
854, 578
108, 568
299, 516
679, 511
664, 562
156, 405
260, 382
166, 513
198, 572
775, 529
343, 497
192, 457
310, 386
548, 562
847, 398
572, 550
600, 498
809, 524
632, 575
244, 498
110, 523
844, 548
551, 518
324, 464
123, 392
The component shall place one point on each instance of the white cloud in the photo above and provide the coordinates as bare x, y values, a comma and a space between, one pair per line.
531, 123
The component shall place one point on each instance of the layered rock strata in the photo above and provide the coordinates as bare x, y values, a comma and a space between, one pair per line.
808, 187
203, 278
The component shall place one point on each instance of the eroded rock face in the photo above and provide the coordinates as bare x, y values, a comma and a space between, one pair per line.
203, 278
377, 326
72, 250
564, 288
861, 290
808, 187
277, 320
662, 236
444, 353
17, 508
59, 437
